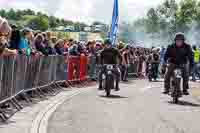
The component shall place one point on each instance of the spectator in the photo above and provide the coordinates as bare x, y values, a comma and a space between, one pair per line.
38, 42
125, 63
24, 42
66, 45
195, 71
15, 39
73, 48
46, 40
50, 49
4, 33
53, 40
59, 47
93, 55
5, 28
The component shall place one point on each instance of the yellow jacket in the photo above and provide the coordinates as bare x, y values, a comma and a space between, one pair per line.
196, 56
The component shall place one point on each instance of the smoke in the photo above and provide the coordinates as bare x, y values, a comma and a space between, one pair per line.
137, 33
193, 35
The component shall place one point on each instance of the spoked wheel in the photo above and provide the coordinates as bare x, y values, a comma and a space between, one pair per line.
176, 92
108, 85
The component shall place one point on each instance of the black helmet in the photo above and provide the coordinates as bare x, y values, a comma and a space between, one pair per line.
107, 42
180, 36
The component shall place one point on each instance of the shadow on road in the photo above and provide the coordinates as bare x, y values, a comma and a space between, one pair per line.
113, 96
3, 124
185, 103
157, 81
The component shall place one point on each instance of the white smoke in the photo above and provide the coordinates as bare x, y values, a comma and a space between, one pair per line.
193, 35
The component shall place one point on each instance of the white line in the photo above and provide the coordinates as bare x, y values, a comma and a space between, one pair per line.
145, 88
40, 123
149, 87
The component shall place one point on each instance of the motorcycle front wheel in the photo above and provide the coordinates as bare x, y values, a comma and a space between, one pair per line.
176, 92
108, 85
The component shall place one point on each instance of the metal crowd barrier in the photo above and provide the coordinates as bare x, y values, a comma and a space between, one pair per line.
136, 69
20, 73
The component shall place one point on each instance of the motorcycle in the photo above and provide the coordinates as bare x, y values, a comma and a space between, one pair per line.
176, 84
108, 78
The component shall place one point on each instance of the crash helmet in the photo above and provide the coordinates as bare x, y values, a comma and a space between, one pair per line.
179, 36
107, 42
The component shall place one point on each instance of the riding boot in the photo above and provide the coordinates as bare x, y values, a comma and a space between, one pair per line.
100, 85
117, 86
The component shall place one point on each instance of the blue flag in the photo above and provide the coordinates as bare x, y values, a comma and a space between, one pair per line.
114, 25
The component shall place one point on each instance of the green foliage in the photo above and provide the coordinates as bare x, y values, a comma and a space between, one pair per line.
186, 14
40, 20
168, 18
152, 23
38, 23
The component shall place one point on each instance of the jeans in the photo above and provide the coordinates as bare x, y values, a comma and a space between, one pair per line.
124, 72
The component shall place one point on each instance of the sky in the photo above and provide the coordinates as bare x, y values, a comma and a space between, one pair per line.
85, 10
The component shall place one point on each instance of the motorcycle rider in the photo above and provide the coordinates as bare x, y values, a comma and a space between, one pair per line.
178, 53
109, 55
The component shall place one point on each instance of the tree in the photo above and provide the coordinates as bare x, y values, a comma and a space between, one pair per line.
167, 13
19, 14
52, 22
3, 13
12, 15
29, 12
186, 14
152, 23
38, 23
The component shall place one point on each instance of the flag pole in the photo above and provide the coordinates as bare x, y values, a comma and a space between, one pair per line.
114, 24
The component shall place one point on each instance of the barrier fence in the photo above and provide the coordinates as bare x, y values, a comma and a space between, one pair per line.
21, 73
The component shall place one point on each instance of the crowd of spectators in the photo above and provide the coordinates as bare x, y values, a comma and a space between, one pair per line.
26, 41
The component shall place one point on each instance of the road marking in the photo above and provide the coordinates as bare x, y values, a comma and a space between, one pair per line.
40, 123
145, 88
149, 87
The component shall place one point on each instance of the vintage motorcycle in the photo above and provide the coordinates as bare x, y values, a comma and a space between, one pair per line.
175, 84
108, 78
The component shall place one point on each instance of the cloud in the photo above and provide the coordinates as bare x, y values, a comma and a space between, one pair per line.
84, 10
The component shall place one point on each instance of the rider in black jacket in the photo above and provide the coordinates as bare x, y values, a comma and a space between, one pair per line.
109, 55
178, 53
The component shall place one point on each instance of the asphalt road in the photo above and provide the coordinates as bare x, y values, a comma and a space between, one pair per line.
138, 108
